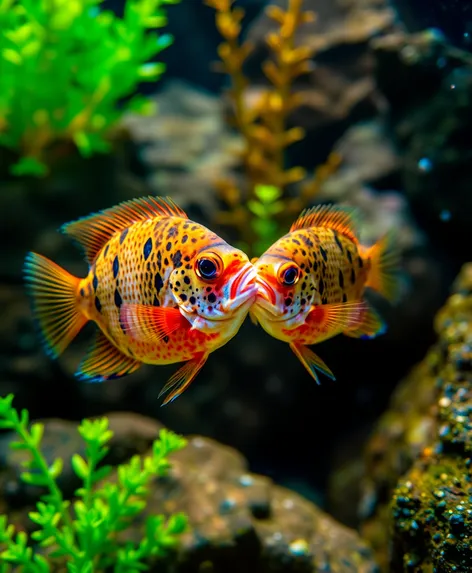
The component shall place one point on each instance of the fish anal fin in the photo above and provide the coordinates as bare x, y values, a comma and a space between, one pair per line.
335, 217
151, 323
338, 317
104, 361
182, 379
54, 296
371, 325
94, 231
384, 275
311, 362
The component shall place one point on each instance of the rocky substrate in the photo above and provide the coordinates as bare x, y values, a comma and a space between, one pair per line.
239, 521
417, 494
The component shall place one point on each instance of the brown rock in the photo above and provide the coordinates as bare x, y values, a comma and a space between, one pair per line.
238, 521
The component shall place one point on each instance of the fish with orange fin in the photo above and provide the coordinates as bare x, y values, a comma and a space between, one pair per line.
312, 283
160, 287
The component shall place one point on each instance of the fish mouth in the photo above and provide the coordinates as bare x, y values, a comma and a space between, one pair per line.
242, 290
265, 303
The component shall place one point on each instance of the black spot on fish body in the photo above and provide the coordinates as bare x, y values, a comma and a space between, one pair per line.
166, 262
123, 235
177, 283
98, 304
349, 256
212, 297
324, 254
158, 282
166, 339
177, 259
360, 262
95, 282
194, 240
324, 300
147, 248
130, 352
82, 292
288, 301
303, 252
156, 302
341, 279
308, 242
169, 246
193, 300
186, 258
105, 252
338, 241
184, 239
321, 286
186, 280
118, 299
353, 277
344, 297
172, 232
116, 267
296, 241
303, 285
303, 302
183, 297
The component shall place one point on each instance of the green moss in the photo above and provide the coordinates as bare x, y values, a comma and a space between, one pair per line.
419, 459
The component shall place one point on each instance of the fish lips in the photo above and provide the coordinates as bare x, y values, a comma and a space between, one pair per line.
242, 289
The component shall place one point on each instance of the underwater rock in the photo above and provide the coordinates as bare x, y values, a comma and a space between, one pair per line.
186, 146
420, 455
429, 88
340, 89
238, 520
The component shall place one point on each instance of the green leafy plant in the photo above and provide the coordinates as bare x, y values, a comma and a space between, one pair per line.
66, 65
267, 203
87, 529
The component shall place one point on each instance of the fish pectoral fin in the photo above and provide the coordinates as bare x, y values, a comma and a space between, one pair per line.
150, 323
338, 317
104, 361
311, 362
182, 379
253, 318
371, 325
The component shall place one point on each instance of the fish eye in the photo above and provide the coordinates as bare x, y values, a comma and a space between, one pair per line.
289, 274
209, 267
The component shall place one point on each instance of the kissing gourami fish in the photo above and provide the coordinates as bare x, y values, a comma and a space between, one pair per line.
160, 287
312, 282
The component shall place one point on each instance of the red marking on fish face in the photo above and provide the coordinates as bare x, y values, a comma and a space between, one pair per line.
317, 315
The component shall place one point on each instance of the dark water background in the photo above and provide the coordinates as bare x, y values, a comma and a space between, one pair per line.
266, 405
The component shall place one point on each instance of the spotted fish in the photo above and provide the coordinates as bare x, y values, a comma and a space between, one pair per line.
312, 283
161, 289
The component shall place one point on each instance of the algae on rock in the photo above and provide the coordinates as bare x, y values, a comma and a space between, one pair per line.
417, 504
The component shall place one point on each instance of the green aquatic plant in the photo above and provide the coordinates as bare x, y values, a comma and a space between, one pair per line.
65, 68
86, 530
264, 122
264, 206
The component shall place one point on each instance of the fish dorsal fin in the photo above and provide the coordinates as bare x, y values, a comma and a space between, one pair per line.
95, 230
341, 219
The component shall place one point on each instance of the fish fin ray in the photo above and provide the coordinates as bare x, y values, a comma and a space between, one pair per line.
335, 217
151, 323
253, 318
311, 362
53, 293
104, 361
93, 231
384, 276
372, 325
182, 379
338, 317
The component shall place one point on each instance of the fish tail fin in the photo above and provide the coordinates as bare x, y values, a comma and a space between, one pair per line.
53, 293
384, 276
